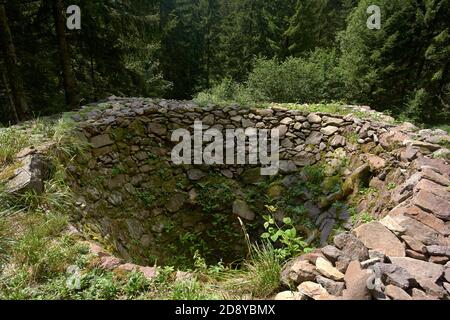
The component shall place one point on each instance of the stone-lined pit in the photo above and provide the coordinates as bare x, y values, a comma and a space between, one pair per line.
145, 209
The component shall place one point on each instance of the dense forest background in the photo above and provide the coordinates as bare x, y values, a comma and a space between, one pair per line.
243, 50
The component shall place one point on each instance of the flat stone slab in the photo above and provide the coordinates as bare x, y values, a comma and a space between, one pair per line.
419, 269
430, 202
326, 268
375, 236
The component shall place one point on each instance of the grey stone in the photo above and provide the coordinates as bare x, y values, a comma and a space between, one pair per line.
329, 130
331, 252
176, 202
157, 128
30, 176
394, 274
241, 208
313, 118
439, 250
287, 120
101, 141
195, 174
334, 288
314, 138
208, 120
351, 247
338, 141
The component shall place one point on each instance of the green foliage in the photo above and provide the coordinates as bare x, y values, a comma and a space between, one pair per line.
286, 235
311, 79
215, 195
226, 92
260, 275
147, 198
391, 185
12, 140
379, 68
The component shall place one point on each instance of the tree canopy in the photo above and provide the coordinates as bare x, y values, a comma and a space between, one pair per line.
317, 49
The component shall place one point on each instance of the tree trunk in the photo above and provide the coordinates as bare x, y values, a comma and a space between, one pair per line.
12, 70
11, 114
70, 85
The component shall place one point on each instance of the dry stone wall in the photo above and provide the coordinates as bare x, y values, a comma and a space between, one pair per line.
135, 198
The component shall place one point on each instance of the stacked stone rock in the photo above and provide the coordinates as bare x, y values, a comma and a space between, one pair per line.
403, 256
306, 138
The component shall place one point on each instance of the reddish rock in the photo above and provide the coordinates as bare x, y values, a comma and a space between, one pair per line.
289, 295
427, 219
416, 255
430, 202
148, 272
414, 244
431, 288
375, 162
430, 174
447, 274
392, 138
297, 271
438, 259
356, 280
447, 287
326, 268
434, 188
97, 250
109, 262
396, 293
377, 237
437, 164
418, 230
418, 294
128, 267
313, 290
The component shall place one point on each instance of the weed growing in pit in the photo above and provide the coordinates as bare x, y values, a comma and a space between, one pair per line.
214, 196
259, 276
146, 197
286, 235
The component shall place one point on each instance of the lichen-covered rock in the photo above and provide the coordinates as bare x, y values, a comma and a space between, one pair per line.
241, 208
30, 174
